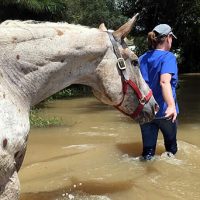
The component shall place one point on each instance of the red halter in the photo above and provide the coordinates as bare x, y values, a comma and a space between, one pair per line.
142, 100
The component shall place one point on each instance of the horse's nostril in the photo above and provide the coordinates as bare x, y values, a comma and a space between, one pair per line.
156, 108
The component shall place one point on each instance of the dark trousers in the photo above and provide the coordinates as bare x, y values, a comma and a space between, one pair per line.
150, 135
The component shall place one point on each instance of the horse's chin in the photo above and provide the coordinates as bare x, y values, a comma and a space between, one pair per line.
144, 118
107, 99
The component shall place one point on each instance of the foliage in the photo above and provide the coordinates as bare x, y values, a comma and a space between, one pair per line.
188, 31
85, 12
32, 9
36, 5
94, 12
37, 121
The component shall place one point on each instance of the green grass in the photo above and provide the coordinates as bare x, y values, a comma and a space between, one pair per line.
40, 122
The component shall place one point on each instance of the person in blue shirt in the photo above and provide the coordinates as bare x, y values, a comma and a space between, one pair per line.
159, 69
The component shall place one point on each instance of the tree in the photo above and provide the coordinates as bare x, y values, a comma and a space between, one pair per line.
94, 12
188, 31
85, 12
32, 9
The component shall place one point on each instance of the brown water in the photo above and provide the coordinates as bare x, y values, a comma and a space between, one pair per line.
95, 155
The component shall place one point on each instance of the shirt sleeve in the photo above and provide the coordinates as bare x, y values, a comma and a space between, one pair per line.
169, 64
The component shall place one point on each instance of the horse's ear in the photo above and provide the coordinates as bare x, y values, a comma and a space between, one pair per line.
125, 29
102, 27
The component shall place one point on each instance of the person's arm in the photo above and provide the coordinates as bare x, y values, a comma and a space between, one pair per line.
167, 95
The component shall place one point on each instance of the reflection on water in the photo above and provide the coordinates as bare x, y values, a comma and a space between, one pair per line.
95, 155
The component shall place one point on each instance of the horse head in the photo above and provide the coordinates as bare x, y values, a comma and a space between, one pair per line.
121, 82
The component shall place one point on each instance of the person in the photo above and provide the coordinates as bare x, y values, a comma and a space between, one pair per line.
159, 69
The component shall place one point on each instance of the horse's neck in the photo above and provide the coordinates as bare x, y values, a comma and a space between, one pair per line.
41, 60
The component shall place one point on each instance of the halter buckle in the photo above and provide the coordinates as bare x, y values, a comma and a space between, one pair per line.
143, 101
121, 63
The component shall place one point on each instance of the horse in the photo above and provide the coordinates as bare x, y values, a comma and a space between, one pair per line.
38, 59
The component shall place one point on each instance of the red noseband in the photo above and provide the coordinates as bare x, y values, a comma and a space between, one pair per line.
142, 100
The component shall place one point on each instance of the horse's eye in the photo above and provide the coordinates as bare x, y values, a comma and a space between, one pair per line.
134, 62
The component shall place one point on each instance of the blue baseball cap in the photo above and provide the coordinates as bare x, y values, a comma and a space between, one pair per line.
164, 30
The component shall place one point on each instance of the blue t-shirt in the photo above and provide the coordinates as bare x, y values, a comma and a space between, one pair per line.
153, 63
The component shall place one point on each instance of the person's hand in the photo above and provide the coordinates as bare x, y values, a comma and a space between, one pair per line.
171, 113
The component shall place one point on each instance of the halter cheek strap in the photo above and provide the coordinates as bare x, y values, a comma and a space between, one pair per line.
127, 82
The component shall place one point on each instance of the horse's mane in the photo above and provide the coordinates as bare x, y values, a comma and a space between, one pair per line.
30, 23
35, 29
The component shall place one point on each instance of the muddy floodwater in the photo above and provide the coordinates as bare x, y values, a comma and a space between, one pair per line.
94, 156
